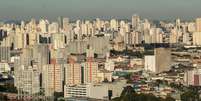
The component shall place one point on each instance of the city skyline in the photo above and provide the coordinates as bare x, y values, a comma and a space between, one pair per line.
100, 50
122, 9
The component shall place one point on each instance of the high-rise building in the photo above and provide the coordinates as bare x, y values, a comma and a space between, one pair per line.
6, 41
90, 71
133, 38
43, 25
27, 80
198, 24
163, 59
160, 61
69, 37
5, 54
41, 55
4, 67
193, 77
89, 52
186, 38
146, 25
98, 23
81, 72
178, 24
150, 63
58, 40
154, 35
19, 40
53, 27
191, 27
135, 21
60, 22
174, 36
26, 57
196, 38
113, 24
52, 78
66, 24
100, 45
73, 74
32, 39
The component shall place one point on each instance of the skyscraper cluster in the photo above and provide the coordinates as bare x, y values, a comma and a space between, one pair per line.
64, 56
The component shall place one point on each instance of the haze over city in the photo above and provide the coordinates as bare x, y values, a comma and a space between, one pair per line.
123, 9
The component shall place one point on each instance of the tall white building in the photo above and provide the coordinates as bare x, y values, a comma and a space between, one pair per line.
178, 23
98, 24
27, 79
150, 63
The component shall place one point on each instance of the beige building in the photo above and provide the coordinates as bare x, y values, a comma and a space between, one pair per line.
90, 72
4, 67
153, 35
80, 73
136, 62
73, 74
198, 24
196, 38
163, 59
135, 21
19, 40
104, 76
58, 40
114, 24
52, 79
174, 36
32, 38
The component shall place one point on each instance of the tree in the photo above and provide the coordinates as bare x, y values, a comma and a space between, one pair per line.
168, 98
146, 97
189, 96
128, 94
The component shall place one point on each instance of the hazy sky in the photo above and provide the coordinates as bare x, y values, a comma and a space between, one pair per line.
51, 9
